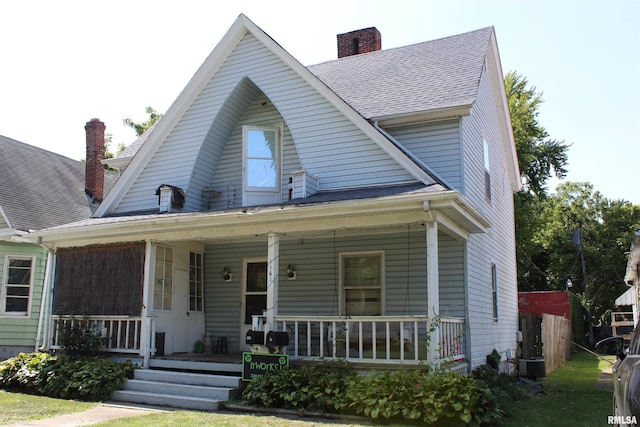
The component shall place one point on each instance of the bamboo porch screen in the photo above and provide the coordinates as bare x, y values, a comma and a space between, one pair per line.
99, 280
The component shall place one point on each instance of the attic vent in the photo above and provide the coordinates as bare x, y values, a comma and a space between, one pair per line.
170, 197
304, 184
165, 199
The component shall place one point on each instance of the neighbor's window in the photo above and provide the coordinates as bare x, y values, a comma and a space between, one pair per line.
16, 285
195, 282
362, 283
487, 174
494, 291
163, 281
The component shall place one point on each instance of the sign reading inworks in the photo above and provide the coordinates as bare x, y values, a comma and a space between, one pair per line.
257, 364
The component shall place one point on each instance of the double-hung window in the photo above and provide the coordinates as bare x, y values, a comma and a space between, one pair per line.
17, 282
362, 283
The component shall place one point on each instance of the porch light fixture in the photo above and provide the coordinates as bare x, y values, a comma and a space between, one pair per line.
291, 273
226, 275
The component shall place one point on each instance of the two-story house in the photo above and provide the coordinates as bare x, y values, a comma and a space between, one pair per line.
363, 205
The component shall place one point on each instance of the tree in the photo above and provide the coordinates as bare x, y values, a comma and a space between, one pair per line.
142, 127
539, 158
606, 231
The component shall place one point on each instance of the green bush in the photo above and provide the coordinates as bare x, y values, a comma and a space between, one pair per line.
78, 339
429, 398
505, 388
414, 395
313, 388
64, 377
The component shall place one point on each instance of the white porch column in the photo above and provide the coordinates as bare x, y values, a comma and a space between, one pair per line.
273, 255
433, 289
146, 337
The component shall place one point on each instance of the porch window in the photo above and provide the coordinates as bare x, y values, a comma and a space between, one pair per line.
195, 282
163, 280
16, 285
362, 283
494, 291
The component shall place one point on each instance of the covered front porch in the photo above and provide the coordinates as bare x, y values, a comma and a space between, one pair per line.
387, 340
372, 281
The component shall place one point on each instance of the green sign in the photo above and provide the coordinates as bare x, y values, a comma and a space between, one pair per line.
257, 364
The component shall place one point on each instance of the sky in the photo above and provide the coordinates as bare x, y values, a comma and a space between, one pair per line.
63, 63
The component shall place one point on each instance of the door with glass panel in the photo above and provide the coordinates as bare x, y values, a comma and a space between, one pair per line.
254, 295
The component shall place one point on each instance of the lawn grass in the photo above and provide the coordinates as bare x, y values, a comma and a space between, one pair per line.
18, 407
571, 397
193, 418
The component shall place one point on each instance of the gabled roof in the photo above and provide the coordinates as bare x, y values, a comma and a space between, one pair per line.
429, 80
41, 189
433, 75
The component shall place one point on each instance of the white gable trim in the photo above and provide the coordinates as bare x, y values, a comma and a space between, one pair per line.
508, 140
207, 70
5, 218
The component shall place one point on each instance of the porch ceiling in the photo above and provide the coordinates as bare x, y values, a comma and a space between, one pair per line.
348, 216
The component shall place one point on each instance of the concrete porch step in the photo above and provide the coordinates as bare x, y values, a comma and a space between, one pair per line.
170, 400
186, 390
190, 378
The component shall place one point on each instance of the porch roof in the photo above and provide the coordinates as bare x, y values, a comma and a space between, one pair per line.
359, 209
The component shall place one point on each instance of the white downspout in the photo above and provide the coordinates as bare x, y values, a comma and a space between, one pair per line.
47, 289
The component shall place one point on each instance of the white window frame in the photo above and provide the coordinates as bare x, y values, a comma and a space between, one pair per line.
243, 285
343, 288
487, 169
5, 285
276, 189
163, 277
494, 291
198, 283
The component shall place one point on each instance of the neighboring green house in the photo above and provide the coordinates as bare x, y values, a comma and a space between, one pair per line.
40, 189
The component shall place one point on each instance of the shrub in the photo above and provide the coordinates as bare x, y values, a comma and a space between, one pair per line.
64, 377
412, 394
424, 397
313, 388
78, 339
22, 373
504, 387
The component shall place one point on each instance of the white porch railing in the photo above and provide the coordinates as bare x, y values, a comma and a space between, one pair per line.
122, 333
370, 339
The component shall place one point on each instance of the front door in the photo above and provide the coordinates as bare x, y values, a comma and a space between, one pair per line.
254, 295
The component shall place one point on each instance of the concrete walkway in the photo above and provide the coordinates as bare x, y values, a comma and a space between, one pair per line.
103, 412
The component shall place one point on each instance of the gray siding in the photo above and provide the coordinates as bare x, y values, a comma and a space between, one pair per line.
438, 146
315, 290
22, 331
328, 144
497, 246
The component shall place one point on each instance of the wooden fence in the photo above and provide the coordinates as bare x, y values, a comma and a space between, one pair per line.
556, 336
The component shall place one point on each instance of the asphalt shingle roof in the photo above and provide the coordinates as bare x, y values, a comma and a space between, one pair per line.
41, 189
420, 77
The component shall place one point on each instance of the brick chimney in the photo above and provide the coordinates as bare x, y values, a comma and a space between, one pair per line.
359, 41
94, 169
